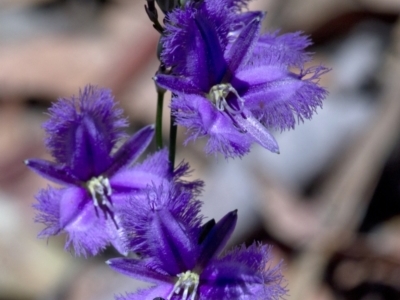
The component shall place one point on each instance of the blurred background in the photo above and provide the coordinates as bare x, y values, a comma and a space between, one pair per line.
329, 203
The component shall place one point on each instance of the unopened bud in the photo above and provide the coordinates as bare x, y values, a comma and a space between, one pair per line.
167, 5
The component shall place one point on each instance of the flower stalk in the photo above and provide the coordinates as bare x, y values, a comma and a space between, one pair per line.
172, 141
160, 103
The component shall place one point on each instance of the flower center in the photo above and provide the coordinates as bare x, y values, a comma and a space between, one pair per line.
100, 190
188, 282
218, 94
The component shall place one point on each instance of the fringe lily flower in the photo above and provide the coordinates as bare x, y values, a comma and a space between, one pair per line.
184, 259
82, 134
230, 81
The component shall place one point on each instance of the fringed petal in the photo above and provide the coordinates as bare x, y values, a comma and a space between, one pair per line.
48, 208
243, 273
203, 119
66, 115
160, 291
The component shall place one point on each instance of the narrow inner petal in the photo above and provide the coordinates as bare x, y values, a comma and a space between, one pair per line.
138, 269
213, 52
52, 171
91, 150
131, 149
171, 243
249, 124
217, 238
239, 52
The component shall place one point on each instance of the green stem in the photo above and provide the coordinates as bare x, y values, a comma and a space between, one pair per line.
172, 142
160, 102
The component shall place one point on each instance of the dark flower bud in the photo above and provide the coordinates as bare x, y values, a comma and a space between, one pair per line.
151, 10
167, 5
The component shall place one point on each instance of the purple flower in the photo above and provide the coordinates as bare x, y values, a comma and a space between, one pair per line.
232, 83
82, 134
183, 259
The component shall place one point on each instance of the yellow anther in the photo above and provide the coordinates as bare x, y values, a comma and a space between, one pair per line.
100, 189
188, 282
218, 94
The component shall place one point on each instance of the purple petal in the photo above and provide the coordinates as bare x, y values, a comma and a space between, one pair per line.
88, 241
154, 171
66, 115
217, 238
230, 280
242, 47
177, 84
137, 269
202, 118
131, 150
132, 180
65, 209
241, 20
171, 243
156, 163
256, 130
287, 49
161, 290
91, 150
224, 14
210, 52
84, 239
87, 230
254, 76
116, 233
48, 211
51, 171
283, 98
254, 277
139, 216
90, 234
192, 46
74, 204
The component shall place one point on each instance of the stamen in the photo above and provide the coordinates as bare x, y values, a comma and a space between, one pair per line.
100, 190
218, 94
189, 282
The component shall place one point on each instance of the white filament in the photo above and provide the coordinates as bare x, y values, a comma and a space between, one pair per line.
189, 282
218, 94
100, 190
